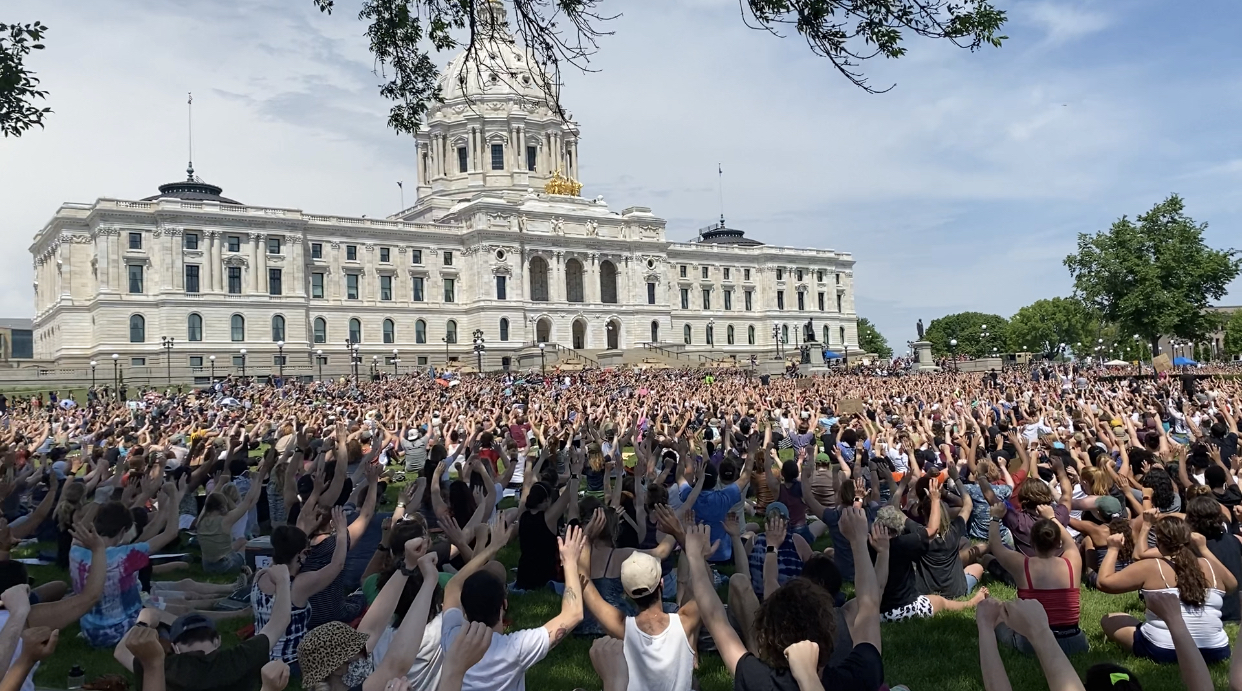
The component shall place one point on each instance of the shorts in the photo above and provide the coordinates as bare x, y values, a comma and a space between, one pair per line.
1143, 647
233, 562
971, 582
919, 609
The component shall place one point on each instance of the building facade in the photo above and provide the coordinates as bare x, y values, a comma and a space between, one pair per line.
500, 243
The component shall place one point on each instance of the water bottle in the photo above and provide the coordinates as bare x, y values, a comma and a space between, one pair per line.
76, 678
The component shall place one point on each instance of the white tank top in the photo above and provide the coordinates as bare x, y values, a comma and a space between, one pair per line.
663, 662
1204, 622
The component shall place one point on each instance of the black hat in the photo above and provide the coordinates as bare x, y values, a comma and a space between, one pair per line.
190, 622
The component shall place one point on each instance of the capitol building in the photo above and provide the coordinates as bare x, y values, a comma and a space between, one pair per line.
500, 244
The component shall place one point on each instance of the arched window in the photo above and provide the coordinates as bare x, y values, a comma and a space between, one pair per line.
321, 330
607, 282
450, 332
711, 335
278, 328
784, 333
827, 338
685, 334
194, 327
543, 330
504, 329
729, 334
237, 328
420, 331
573, 280
390, 331
355, 331
842, 335
750, 335
539, 279
655, 332
137, 329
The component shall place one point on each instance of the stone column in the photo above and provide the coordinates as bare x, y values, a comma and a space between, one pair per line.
103, 267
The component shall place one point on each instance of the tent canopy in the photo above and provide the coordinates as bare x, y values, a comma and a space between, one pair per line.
829, 355
1116, 363
1182, 361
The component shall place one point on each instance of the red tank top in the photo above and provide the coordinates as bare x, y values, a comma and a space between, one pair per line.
1062, 604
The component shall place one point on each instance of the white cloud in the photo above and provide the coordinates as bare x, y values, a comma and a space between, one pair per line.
1063, 22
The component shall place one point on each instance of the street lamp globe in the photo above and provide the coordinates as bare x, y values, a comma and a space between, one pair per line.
953, 342
93, 363
243, 351
542, 346
319, 351
280, 344
212, 358
115, 356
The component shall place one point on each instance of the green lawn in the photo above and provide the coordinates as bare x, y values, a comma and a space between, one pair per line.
940, 653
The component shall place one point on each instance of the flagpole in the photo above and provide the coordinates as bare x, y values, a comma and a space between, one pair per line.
402, 188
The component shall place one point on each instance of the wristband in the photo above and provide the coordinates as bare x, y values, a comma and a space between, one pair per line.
573, 476
771, 549
406, 571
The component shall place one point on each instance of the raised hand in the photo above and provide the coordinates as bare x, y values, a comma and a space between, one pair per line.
144, 643
699, 541
776, 528
853, 524
275, 675
571, 545
989, 612
39, 642
415, 548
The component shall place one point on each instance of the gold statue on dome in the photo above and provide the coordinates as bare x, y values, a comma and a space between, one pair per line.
559, 184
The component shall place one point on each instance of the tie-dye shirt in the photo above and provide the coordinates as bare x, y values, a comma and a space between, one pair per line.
118, 608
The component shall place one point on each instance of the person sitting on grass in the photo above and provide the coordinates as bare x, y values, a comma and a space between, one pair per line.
198, 661
1183, 565
221, 552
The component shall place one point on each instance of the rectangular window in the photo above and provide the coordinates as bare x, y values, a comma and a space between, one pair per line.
707, 299
651, 290
821, 302
351, 286
799, 274
279, 360
234, 243
705, 272
351, 253
385, 287
749, 301
422, 360
531, 154
780, 274
191, 278
196, 361
838, 279
239, 360
728, 299
273, 282
138, 362
234, 280
502, 290
418, 289
462, 161
448, 258
316, 285
135, 241
745, 274
385, 255
780, 299
683, 270
316, 250
498, 156
273, 245
685, 298
801, 301
449, 292
726, 274
819, 276
135, 278
190, 241
416, 256
839, 303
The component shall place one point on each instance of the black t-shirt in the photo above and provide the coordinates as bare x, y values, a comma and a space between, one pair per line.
903, 552
228, 669
940, 570
862, 670
1231, 498
1228, 550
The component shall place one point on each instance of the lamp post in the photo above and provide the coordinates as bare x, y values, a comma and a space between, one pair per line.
480, 346
953, 352
446, 350
776, 338
213, 368
542, 367
280, 362
374, 366
319, 360
711, 332
243, 366
394, 362
166, 342
92, 374
116, 375
352, 348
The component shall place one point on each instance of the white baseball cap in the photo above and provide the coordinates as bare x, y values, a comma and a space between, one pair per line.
640, 574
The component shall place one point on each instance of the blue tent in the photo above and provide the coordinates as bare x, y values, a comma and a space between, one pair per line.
1183, 361
829, 355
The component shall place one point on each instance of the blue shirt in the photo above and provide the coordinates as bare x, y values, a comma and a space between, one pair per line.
712, 507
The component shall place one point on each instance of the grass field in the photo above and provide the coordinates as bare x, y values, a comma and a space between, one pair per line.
938, 654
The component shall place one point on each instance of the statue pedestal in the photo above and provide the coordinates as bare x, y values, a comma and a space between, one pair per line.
923, 361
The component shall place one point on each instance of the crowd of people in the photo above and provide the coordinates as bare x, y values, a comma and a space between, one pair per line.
368, 525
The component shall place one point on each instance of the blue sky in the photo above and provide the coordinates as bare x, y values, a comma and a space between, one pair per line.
962, 188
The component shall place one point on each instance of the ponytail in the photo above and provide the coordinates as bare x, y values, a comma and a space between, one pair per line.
1173, 539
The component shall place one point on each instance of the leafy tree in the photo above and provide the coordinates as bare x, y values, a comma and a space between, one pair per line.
1233, 334
871, 340
967, 328
1154, 277
19, 88
1045, 324
566, 32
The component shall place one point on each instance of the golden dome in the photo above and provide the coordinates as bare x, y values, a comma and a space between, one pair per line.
560, 184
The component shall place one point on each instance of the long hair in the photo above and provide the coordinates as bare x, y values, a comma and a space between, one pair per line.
1094, 480
1121, 526
1173, 540
1204, 517
798, 611
1161, 485
70, 502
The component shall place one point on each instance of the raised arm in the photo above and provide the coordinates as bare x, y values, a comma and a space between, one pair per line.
281, 606
408, 638
309, 583
62, 613
698, 546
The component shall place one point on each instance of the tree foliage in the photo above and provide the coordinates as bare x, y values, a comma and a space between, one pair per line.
560, 33
1043, 325
1233, 334
967, 328
19, 87
1154, 277
871, 340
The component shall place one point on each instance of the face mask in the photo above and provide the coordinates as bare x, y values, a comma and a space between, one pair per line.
358, 671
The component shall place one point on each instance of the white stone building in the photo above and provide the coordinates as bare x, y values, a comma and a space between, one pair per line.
498, 242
